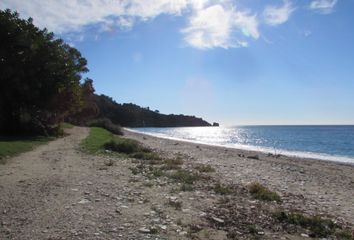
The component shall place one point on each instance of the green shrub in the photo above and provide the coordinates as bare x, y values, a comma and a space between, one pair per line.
127, 146
319, 227
106, 124
260, 192
184, 176
186, 188
222, 189
205, 168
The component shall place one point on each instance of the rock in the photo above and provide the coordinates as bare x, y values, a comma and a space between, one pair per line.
163, 227
219, 220
304, 235
144, 230
84, 201
260, 233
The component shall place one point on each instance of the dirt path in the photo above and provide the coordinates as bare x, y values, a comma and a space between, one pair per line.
58, 192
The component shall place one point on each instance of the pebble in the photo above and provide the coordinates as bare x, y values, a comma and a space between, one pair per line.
304, 235
144, 230
84, 201
219, 220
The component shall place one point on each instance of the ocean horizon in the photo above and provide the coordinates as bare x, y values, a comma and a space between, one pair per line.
323, 142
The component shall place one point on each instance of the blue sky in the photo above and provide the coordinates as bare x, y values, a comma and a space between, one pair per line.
230, 61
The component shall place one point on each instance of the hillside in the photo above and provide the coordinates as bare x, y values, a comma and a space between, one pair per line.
131, 115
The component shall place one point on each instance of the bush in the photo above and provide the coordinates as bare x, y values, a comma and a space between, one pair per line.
205, 168
185, 176
319, 227
260, 192
122, 146
222, 189
106, 124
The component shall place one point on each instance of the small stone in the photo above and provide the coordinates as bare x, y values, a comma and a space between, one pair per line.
304, 235
74, 189
144, 230
260, 233
84, 201
219, 220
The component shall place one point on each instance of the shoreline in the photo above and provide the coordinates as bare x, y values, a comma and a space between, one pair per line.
347, 161
323, 186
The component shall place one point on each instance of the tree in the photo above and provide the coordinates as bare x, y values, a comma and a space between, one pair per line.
40, 77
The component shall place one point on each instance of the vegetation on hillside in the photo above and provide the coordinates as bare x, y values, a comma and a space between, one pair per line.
40, 75
42, 84
132, 115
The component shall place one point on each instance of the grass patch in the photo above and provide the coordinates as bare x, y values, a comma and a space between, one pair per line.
172, 164
11, 146
156, 173
344, 234
187, 188
319, 227
100, 140
184, 176
222, 189
65, 125
205, 168
95, 141
106, 124
260, 192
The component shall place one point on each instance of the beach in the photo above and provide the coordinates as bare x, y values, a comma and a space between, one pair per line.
191, 191
322, 186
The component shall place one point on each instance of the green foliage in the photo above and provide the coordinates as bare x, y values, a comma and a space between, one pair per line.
186, 188
13, 146
106, 124
205, 168
94, 143
319, 227
120, 145
65, 125
344, 234
172, 164
184, 176
260, 192
40, 77
132, 115
222, 189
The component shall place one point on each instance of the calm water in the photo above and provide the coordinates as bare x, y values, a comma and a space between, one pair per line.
335, 143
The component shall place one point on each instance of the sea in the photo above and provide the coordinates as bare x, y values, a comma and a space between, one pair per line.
331, 143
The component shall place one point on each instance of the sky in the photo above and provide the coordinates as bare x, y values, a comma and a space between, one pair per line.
236, 62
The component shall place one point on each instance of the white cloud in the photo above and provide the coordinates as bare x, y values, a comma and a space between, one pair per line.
72, 15
220, 26
275, 15
211, 23
323, 6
